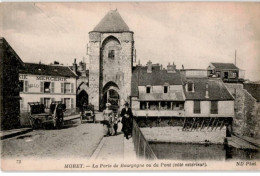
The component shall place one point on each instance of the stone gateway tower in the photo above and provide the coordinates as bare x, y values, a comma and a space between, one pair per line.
111, 47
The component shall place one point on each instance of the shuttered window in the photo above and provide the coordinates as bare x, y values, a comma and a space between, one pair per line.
25, 86
21, 103
62, 87
72, 102
52, 87
214, 107
72, 88
42, 87
42, 100
196, 108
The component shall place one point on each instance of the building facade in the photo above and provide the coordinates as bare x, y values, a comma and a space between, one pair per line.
157, 92
10, 63
47, 83
228, 72
111, 46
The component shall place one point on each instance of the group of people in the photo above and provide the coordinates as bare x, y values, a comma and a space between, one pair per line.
111, 120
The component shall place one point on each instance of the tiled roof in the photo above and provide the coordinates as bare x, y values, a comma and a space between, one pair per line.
140, 77
253, 89
216, 88
112, 22
49, 70
224, 66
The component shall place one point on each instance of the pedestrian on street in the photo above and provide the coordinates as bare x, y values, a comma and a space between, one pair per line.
107, 120
115, 124
127, 120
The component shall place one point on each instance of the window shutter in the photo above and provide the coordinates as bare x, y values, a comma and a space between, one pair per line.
42, 87
72, 88
42, 100
21, 103
52, 87
62, 87
25, 86
72, 103
196, 108
214, 107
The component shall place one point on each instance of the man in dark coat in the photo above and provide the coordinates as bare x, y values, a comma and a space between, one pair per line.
127, 120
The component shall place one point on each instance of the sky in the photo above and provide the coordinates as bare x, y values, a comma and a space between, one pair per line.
189, 34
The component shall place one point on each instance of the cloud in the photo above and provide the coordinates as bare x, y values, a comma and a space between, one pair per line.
192, 34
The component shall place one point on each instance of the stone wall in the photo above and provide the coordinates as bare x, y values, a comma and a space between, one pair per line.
247, 115
104, 70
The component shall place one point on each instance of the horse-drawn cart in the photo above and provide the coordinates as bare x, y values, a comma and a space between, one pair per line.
41, 118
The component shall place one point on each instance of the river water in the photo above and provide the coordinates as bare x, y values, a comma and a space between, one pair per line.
187, 151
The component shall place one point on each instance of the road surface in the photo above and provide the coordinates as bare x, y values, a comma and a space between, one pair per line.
74, 140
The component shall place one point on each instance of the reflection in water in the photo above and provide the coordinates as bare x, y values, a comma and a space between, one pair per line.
188, 151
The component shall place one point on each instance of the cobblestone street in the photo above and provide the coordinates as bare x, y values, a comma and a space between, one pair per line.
74, 140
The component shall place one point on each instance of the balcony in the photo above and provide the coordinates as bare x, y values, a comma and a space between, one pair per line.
158, 113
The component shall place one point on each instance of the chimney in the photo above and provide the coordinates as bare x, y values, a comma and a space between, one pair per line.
149, 67
207, 91
182, 67
171, 68
74, 67
83, 68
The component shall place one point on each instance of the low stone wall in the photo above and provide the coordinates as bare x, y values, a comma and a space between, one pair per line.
176, 135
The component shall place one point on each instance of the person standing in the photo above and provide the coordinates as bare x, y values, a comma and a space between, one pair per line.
115, 124
107, 120
127, 120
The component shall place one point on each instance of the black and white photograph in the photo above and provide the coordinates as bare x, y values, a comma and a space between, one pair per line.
129, 86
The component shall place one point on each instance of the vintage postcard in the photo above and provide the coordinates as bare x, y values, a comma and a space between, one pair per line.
130, 86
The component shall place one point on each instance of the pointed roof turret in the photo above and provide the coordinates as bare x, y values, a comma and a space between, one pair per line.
112, 22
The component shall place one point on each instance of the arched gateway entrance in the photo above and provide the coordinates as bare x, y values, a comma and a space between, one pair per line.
110, 94
82, 98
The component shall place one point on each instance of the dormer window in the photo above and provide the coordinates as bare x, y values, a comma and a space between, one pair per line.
190, 87
148, 89
111, 54
165, 89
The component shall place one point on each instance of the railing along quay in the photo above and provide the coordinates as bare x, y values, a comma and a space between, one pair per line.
142, 147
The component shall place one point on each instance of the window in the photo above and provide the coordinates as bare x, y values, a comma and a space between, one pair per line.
67, 87
72, 103
21, 103
196, 108
67, 102
214, 107
226, 75
52, 87
111, 54
47, 102
21, 86
148, 89
165, 90
47, 86
190, 87
234, 74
